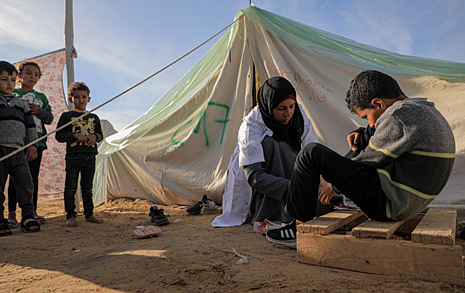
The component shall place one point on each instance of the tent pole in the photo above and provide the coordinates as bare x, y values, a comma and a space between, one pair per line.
69, 42
69, 45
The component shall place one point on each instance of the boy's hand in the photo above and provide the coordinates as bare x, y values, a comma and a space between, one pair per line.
31, 153
326, 192
34, 108
91, 139
80, 137
352, 139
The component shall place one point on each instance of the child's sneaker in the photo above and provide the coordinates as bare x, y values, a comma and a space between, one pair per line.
286, 235
158, 217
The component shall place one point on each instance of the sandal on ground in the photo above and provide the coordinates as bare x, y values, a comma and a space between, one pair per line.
147, 232
94, 219
26, 225
39, 219
4, 227
12, 223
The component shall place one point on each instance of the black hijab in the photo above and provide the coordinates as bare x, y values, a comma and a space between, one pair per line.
270, 95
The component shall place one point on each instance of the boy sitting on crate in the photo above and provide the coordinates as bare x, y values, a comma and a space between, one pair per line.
407, 163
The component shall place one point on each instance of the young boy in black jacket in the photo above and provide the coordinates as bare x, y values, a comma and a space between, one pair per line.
81, 137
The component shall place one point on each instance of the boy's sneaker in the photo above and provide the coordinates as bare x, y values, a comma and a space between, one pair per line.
158, 217
286, 235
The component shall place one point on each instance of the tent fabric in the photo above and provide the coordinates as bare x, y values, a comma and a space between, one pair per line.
180, 148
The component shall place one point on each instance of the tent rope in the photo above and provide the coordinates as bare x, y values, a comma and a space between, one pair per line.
124, 92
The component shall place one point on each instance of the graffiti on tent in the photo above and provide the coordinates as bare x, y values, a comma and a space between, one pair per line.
202, 124
317, 95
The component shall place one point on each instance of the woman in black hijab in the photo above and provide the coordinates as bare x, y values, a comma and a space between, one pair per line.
269, 179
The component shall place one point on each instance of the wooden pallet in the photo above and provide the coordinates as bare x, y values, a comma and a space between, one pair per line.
369, 246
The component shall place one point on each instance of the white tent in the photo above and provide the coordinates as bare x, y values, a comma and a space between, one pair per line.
180, 148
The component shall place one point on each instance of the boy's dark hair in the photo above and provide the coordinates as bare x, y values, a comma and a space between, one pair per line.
25, 63
78, 86
368, 85
8, 67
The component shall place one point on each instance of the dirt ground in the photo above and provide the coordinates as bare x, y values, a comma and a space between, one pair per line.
188, 256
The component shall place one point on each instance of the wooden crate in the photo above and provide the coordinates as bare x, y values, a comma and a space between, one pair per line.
369, 246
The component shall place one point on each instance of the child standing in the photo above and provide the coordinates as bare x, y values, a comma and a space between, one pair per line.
81, 137
29, 74
16, 124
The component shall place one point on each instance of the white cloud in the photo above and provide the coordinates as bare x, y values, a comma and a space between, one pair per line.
34, 25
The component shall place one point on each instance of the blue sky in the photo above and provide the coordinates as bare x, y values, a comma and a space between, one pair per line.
119, 43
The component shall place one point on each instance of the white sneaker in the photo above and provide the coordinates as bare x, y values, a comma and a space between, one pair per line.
210, 208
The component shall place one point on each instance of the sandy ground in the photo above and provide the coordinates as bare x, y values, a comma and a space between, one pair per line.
188, 256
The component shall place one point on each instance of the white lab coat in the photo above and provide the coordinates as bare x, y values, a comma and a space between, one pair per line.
238, 193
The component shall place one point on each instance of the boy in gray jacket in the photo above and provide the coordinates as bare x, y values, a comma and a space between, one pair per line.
16, 124
406, 165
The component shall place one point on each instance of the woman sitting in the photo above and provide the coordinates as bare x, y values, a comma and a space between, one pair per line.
259, 172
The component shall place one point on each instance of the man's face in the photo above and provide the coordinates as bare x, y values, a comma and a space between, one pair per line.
7, 83
370, 114
79, 99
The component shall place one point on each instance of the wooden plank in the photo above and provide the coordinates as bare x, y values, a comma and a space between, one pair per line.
438, 226
375, 229
328, 223
382, 256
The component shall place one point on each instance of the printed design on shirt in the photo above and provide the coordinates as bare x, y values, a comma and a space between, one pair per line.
31, 98
85, 126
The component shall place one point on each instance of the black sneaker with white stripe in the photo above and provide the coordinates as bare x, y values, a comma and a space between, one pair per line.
285, 235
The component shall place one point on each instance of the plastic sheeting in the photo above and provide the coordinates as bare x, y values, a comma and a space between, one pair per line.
180, 148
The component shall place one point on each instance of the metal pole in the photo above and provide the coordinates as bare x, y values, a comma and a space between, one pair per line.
69, 42
69, 45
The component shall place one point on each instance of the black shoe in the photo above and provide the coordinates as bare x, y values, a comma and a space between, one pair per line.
286, 235
462, 234
197, 208
157, 216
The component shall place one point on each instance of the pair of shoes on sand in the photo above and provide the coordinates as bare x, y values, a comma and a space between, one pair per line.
158, 217
205, 206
